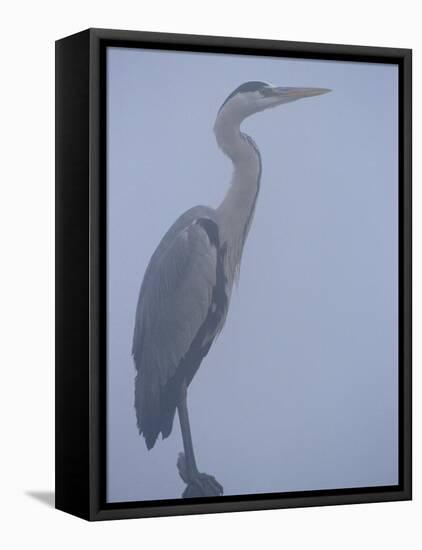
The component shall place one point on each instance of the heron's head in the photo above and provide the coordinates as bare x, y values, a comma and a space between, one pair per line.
255, 96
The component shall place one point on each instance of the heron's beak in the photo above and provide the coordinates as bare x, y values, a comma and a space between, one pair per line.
298, 93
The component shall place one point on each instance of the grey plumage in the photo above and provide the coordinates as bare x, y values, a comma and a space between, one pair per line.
174, 302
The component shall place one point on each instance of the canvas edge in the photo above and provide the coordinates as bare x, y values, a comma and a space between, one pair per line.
402, 57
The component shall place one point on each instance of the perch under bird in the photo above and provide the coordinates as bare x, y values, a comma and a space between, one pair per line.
185, 293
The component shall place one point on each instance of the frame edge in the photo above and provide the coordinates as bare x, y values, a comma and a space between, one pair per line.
400, 56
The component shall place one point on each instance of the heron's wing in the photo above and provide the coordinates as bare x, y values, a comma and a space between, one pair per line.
175, 297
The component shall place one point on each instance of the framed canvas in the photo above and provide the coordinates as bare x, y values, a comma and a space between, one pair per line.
233, 274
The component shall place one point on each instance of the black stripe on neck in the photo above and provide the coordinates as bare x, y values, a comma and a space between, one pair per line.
254, 146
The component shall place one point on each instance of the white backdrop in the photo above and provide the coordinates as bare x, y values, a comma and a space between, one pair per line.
27, 289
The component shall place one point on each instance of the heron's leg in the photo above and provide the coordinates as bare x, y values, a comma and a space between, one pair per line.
198, 483
182, 409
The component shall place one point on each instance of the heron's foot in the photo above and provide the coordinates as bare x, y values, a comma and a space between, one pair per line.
199, 484
203, 485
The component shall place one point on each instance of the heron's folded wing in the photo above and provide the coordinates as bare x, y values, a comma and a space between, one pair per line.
175, 297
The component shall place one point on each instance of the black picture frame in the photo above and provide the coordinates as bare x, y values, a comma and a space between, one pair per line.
81, 273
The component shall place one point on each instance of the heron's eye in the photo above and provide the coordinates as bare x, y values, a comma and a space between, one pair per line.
268, 91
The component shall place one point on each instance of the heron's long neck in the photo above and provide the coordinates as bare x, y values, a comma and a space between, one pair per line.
237, 209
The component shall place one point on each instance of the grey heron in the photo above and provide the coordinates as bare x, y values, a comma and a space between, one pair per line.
186, 289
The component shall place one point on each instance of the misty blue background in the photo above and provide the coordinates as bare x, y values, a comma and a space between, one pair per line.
300, 390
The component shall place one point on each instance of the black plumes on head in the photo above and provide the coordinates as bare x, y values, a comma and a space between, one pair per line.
252, 86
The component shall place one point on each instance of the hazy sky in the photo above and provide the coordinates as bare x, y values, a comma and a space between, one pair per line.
300, 390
